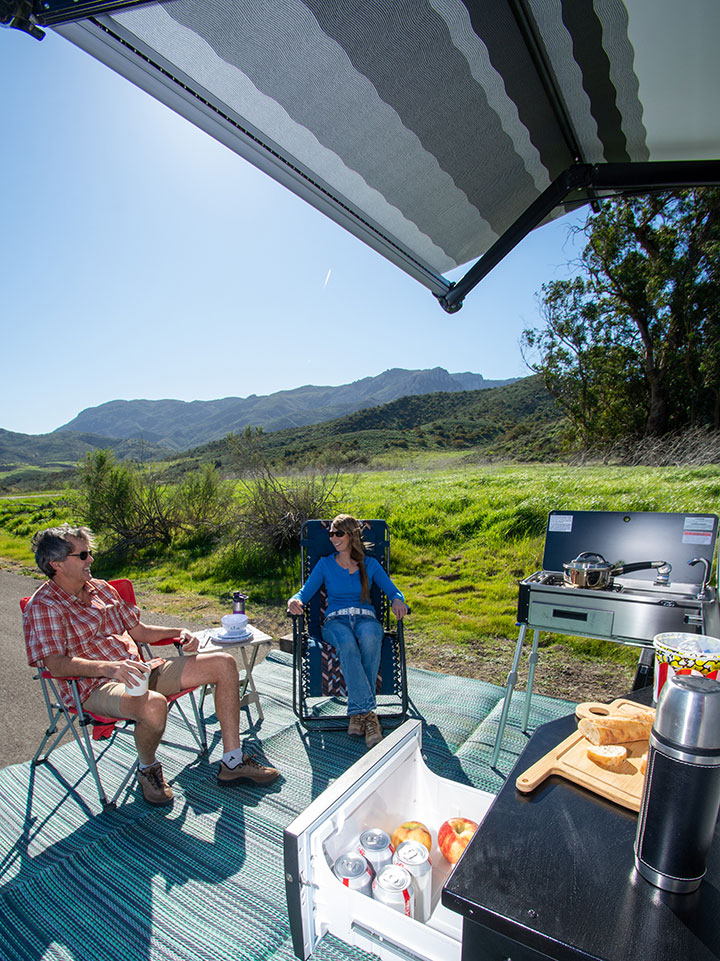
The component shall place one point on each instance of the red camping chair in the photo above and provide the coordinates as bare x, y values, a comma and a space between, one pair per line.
78, 721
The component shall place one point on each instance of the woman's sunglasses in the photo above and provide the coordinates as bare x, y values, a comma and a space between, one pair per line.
83, 555
337, 533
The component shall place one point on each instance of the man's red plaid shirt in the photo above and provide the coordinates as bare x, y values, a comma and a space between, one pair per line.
56, 622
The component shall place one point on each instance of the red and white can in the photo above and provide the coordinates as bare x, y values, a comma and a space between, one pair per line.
394, 888
374, 845
415, 858
355, 873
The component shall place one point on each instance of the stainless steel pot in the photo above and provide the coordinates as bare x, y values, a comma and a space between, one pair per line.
591, 570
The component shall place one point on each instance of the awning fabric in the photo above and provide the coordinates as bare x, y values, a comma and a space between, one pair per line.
427, 127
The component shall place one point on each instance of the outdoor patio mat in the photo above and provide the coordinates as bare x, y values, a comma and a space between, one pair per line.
203, 879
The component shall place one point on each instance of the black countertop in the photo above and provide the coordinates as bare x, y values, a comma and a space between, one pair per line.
554, 871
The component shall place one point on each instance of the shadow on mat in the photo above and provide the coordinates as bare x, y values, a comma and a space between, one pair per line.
105, 890
331, 753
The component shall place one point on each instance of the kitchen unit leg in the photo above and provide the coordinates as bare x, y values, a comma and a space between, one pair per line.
509, 686
531, 677
645, 668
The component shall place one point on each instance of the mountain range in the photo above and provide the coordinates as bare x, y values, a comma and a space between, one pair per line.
180, 425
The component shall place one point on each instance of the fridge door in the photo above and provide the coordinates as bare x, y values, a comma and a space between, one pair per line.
389, 785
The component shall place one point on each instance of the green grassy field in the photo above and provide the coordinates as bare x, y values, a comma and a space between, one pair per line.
462, 537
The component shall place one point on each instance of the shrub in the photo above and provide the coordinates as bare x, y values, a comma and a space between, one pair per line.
131, 508
276, 508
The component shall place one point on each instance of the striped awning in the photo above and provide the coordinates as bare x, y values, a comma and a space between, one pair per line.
437, 131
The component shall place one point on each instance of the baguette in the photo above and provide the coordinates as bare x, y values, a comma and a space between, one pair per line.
615, 729
638, 712
612, 757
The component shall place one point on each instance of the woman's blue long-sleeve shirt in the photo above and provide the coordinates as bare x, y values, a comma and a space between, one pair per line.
343, 588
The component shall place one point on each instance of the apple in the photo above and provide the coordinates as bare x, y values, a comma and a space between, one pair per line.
454, 836
412, 831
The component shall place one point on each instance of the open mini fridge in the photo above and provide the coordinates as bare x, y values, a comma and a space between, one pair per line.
391, 784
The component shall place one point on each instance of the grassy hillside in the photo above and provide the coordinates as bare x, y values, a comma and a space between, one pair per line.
518, 421
37, 461
461, 540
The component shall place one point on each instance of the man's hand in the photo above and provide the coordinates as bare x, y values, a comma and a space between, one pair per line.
128, 671
190, 642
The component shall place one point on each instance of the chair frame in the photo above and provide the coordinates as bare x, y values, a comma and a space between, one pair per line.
306, 628
78, 721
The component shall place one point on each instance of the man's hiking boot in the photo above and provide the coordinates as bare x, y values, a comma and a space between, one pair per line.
250, 770
155, 788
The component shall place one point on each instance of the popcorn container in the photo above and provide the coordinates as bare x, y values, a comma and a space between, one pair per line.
678, 653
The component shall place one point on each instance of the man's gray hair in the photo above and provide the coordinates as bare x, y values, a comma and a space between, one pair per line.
53, 545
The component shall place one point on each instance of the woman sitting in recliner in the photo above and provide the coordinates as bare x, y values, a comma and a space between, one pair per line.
350, 625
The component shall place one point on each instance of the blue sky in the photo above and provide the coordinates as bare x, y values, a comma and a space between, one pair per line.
141, 259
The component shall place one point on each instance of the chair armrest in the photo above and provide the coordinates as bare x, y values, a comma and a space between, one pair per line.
146, 649
44, 672
165, 641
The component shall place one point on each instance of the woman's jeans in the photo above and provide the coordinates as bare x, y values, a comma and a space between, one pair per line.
358, 642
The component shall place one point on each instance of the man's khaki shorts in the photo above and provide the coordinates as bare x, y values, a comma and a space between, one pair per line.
106, 700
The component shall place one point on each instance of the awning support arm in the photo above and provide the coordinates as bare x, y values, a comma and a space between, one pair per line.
30, 15
623, 177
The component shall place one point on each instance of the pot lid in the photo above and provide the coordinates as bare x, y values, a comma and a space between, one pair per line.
589, 561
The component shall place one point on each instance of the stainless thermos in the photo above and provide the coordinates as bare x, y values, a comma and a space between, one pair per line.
681, 796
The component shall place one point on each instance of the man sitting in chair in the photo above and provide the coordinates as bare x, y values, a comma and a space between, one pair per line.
77, 626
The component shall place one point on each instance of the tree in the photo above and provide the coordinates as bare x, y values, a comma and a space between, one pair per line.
632, 344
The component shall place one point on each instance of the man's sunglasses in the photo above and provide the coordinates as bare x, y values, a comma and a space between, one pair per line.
83, 555
337, 533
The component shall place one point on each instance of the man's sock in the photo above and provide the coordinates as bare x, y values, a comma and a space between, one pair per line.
144, 767
233, 758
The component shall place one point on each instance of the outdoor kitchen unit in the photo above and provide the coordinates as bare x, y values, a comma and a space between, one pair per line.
617, 576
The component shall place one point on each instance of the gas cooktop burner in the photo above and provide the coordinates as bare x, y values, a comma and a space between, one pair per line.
553, 579
626, 587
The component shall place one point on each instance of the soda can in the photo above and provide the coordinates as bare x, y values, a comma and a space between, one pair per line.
394, 887
414, 857
375, 847
355, 873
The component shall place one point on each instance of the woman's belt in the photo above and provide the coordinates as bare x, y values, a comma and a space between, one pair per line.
350, 611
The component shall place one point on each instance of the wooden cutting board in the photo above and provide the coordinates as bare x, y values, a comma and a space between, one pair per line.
569, 760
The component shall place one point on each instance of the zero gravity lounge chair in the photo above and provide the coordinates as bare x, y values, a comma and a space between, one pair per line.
87, 728
319, 694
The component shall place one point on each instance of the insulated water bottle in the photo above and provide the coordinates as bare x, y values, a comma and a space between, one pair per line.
681, 796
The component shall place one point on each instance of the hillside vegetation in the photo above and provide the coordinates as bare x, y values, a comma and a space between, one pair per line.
515, 422
461, 540
518, 421
45, 461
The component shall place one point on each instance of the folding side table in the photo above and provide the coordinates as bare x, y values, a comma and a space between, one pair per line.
248, 651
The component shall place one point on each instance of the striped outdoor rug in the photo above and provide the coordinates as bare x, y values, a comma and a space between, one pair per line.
203, 880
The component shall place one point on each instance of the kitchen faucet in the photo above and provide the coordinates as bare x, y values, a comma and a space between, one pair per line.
702, 593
